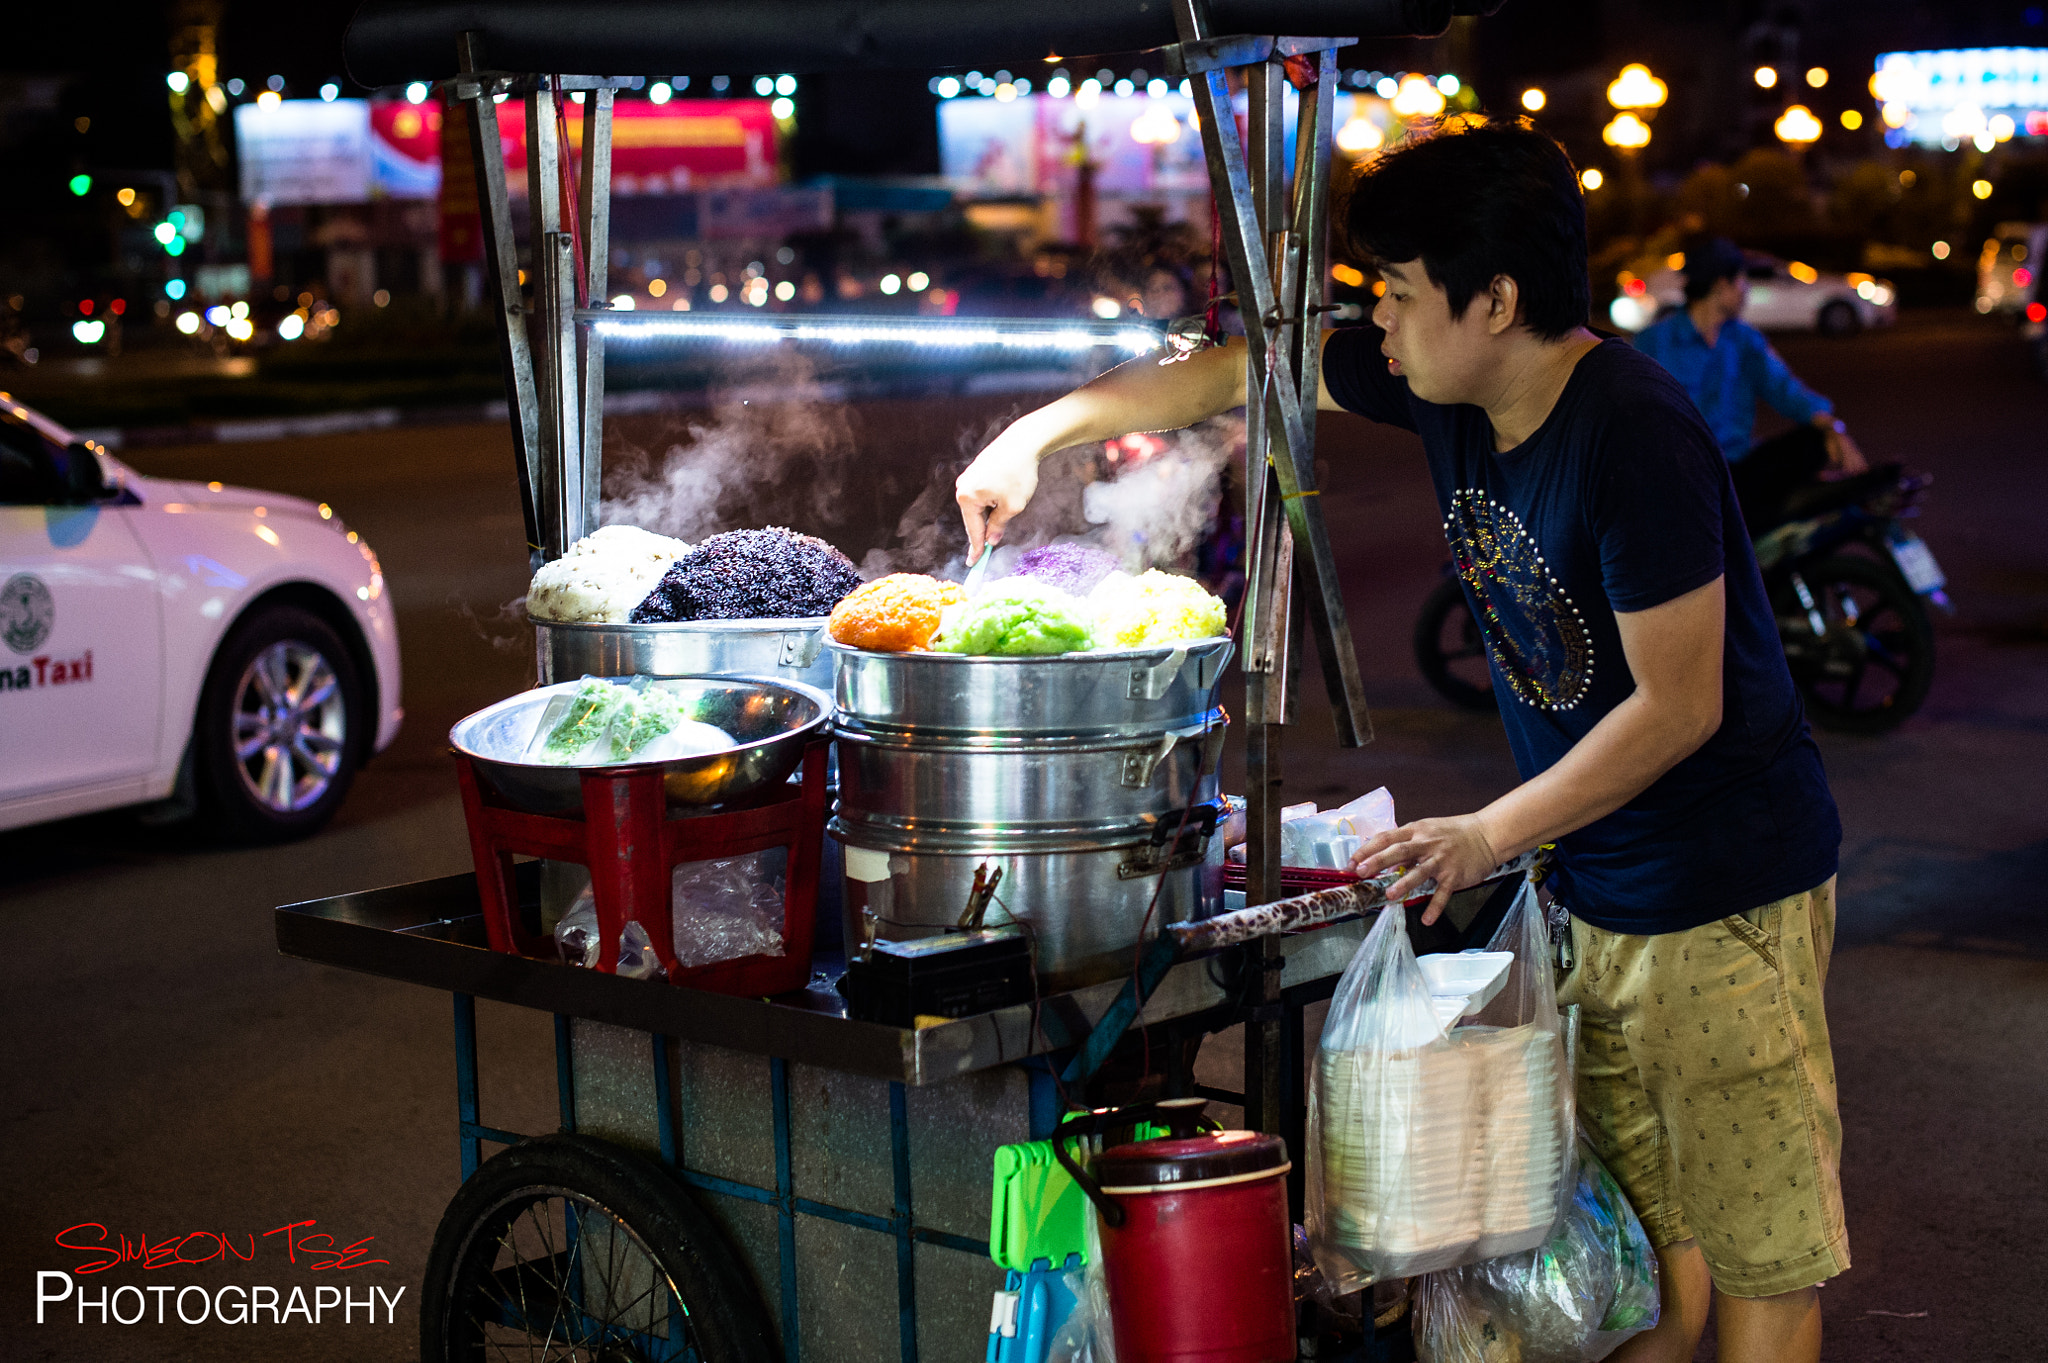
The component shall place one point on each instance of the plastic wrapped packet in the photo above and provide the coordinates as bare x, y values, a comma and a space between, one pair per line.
1575, 1299
1017, 617
894, 614
649, 712
1428, 1149
728, 908
1154, 608
573, 724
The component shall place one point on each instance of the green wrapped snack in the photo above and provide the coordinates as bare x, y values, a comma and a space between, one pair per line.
647, 715
591, 708
1014, 619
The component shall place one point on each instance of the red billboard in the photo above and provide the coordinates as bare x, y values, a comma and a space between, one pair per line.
656, 149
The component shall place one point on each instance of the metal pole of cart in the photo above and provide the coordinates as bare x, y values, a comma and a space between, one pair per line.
554, 362
1275, 246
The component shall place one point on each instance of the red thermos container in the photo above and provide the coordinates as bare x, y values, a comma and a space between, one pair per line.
1201, 1270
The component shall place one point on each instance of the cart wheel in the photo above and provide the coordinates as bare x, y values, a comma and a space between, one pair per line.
569, 1248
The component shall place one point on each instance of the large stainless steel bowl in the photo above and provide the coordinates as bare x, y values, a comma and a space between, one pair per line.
772, 721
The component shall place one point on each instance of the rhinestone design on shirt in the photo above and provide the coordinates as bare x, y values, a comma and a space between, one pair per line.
1548, 662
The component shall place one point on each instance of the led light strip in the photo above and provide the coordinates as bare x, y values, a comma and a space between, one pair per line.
997, 333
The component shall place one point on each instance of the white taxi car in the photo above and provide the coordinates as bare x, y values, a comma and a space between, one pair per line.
1784, 295
207, 648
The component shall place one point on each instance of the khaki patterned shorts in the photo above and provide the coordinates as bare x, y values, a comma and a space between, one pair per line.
1707, 1085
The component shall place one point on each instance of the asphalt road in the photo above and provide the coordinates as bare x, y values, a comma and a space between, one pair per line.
171, 1073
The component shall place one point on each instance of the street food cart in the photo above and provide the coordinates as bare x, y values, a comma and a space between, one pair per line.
739, 1176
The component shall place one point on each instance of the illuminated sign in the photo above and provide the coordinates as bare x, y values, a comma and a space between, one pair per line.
1961, 95
304, 151
309, 151
1033, 145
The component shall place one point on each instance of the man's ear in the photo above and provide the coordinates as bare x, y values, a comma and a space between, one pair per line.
1503, 304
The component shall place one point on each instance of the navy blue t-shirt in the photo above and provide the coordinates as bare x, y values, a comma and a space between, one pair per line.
1619, 502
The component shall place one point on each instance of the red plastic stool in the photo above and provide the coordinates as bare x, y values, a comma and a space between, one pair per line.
631, 842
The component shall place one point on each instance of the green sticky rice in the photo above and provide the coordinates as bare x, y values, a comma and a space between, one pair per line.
1026, 619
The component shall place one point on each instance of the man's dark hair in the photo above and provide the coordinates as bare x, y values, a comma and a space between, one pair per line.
1708, 261
1478, 201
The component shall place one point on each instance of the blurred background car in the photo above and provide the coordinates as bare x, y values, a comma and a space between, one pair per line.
201, 648
2007, 267
1783, 296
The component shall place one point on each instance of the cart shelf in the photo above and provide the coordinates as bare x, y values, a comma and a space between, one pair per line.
431, 932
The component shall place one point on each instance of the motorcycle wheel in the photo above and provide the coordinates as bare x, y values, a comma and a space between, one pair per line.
1450, 650
1872, 666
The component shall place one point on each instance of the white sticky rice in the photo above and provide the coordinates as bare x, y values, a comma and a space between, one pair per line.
602, 576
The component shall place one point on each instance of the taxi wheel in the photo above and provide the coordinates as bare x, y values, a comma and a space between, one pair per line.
281, 727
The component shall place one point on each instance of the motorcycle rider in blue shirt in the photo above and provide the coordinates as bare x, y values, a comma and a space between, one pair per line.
1726, 365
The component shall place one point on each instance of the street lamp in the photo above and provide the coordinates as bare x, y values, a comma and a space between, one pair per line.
1534, 99
1766, 76
1359, 134
1418, 97
1626, 132
1636, 88
1797, 127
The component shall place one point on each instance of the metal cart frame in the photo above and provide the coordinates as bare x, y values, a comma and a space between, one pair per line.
553, 347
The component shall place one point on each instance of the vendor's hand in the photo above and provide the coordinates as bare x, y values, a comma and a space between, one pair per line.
1454, 852
994, 488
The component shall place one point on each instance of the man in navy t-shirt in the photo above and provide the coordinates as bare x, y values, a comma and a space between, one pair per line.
1661, 743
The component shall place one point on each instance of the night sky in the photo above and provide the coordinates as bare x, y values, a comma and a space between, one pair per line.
114, 56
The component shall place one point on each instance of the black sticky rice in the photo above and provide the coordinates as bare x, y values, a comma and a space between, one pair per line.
773, 573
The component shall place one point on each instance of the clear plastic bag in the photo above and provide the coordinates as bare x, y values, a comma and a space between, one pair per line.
728, 908
1088, 1335
1328, 839
1575, 1299
1430, 1148
579, 942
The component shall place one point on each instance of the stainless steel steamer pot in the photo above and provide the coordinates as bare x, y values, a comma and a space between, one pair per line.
1071, 773
780, 650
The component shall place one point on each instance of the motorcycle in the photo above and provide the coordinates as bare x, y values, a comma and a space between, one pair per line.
1848, 583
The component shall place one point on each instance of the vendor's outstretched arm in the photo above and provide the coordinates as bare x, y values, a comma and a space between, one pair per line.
1674, 654
1140, 395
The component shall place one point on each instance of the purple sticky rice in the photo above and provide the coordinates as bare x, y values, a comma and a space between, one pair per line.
1073, 568
751, 575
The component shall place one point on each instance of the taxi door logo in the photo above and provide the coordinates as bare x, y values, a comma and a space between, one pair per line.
27, 611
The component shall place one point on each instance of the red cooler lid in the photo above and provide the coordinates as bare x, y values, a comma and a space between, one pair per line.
1171, 1160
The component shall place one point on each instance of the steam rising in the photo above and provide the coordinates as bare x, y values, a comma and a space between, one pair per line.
774, 451
1146, 512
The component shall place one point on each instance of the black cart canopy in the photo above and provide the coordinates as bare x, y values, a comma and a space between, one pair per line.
392, 41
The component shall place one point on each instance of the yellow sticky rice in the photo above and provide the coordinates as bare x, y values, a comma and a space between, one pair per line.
1154, 608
